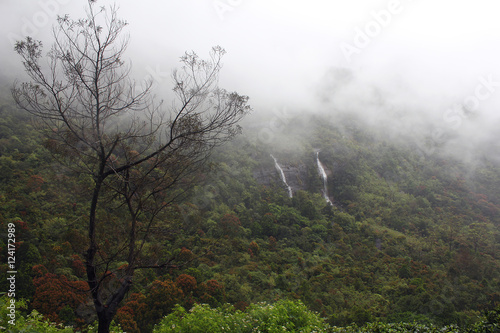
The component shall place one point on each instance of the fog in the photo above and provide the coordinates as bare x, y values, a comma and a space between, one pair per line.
418, 69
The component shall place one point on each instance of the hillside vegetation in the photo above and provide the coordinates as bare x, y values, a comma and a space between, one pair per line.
410, 237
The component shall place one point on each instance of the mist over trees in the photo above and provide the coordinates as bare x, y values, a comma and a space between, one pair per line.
144, 209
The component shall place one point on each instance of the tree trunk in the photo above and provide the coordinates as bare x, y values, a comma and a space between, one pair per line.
105, 318
106, 313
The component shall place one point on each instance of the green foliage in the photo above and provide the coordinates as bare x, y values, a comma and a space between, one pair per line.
282, 316
490, 323
395, 328
285, 316
409, 239
32, 323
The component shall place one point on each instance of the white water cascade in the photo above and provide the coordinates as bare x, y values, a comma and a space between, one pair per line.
322, 172
282, 175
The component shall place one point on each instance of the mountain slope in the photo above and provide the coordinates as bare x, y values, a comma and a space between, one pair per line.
409, 236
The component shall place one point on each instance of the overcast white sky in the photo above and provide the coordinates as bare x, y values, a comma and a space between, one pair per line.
278, 52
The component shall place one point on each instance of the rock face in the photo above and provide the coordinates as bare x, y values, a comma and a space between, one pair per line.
303, 173
296, 176
265, 176
282, 176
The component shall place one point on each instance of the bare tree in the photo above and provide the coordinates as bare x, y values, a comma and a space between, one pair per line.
98, 122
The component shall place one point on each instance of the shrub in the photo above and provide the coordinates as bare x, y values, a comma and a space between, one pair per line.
282, 316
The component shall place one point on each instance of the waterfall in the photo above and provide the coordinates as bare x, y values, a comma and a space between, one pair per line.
323, 175
282, 175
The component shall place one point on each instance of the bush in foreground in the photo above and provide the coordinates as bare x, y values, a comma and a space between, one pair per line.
34, 322
282, 316
294, 316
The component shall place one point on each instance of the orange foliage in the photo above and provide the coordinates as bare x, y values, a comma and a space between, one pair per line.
230, 224
254, 248
140, 311
132, 314
212, 292
185, 255
35, 183
22, 225
186, 282
78, 266
54, 292
272, 243
162, 296
125, 317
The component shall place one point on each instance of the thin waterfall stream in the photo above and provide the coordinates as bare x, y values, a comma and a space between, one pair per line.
323, 175
282, 175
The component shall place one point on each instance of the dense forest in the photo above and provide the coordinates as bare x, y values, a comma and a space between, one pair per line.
410, 237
